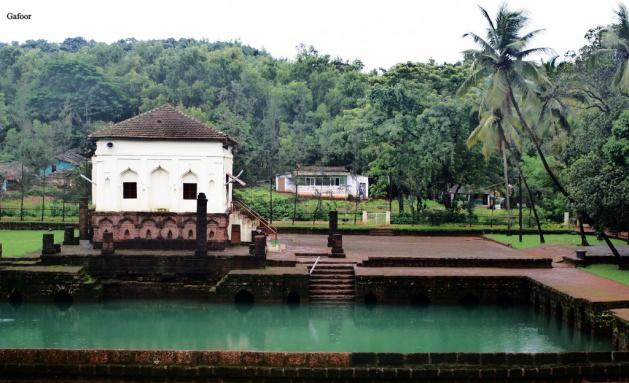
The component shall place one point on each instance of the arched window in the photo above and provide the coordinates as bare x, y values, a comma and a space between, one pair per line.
129, 184
189, 185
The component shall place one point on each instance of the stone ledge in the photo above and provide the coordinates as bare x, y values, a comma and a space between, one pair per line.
65, 357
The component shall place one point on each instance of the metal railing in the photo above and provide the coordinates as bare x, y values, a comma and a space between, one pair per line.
69, 212
240, 205
314, 265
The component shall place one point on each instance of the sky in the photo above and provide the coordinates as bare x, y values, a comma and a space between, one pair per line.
379, 33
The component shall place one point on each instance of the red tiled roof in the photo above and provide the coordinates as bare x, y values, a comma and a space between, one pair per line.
163, 123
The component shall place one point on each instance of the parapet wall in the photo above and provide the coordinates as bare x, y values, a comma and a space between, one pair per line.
208, 269
281, 366
412, 289
273, 285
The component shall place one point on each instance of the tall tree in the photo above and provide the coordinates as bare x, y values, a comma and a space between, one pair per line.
615, 39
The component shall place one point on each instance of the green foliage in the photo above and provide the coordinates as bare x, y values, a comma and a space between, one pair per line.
20, 243
402, 126
532, 240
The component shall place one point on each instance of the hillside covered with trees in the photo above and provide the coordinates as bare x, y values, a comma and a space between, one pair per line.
562, 123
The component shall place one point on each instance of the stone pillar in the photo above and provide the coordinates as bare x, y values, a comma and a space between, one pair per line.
68, 236
252, 244
566, 218
387, 217
259, 246
337, 246
365, 217
108, 244
201, 248
333, 224
83, 219
48, 244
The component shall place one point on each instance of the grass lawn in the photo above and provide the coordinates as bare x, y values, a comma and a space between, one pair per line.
532, 240
610, 272
18, 243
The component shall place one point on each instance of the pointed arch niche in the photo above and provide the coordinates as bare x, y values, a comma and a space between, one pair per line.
159, 190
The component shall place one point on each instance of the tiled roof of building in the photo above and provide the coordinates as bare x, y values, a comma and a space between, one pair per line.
163, 123
71, 156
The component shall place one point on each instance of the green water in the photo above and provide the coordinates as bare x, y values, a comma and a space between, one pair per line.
195, 325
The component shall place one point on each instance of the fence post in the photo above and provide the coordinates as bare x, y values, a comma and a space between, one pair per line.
365, 217
387, 218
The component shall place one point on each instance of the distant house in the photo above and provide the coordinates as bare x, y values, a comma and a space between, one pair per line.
10, 175
480, 197
63, 162
333, 182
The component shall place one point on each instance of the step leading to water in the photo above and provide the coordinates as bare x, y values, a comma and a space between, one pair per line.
332, 283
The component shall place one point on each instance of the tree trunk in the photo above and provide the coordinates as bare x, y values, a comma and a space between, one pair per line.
520, 207
584, 240
505, 170
528, 191
532, 199
43, 196
453, 201
22, 192
296, 190
537, 145
552, 176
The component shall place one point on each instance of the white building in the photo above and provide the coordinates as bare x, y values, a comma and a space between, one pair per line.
333, 182
147, 172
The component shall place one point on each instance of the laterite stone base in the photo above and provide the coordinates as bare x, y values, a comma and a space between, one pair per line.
279, 366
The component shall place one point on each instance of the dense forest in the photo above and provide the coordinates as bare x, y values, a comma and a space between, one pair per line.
562, 122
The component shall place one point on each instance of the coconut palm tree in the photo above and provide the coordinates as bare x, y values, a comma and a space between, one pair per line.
615, 39
549, 106
501, 60
495, 136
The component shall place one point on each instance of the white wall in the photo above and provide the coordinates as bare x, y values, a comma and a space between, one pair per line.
353, 183
160, 169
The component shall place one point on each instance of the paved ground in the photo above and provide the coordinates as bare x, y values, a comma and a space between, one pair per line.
360, 247
556, 252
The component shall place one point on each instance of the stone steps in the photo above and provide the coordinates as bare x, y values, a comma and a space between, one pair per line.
331, 279
332, 283
332, 298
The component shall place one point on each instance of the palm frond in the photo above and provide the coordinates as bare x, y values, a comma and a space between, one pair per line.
480, 41
611, 40
524, 53
621, 78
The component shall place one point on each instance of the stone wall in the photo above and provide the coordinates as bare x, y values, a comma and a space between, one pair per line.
409, 289
246, 366
154, 267
27, 284
620, 330
274, 284
143, 229
456, 262
594, 317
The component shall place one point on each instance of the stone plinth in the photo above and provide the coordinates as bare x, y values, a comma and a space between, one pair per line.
83, 219
108, 244
68, 236
259, 245
337, 246
201, 226
333, 222
48, 244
